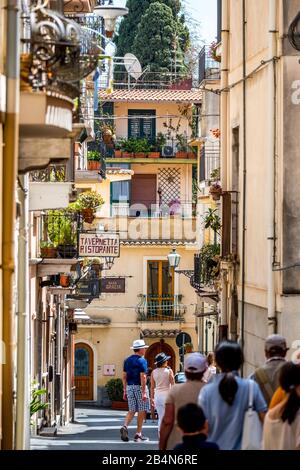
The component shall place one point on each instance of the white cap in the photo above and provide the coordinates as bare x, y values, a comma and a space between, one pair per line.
139, 344
195, 363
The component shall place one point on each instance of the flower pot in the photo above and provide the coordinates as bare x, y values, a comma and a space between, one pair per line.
88, 215
49, 252
93, 165
154, 155
127, 155
181, 154
64, 280
67, 251
118, 153
191, 155
140, 155
215, 193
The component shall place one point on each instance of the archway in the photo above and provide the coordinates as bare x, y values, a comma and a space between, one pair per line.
84, 372
157, 348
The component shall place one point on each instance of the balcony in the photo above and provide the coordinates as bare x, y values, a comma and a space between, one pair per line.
207, 271
151, 228
166, 308
50, 181
58, 241
209, 69
150, 80
209, 163
73, 7
158, 150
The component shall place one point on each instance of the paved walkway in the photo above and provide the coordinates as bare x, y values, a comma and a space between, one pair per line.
97, 429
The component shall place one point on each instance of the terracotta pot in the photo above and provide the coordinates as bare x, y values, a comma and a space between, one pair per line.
49, 252
64, 280
191, 155
154, 155
181, 154
127, 155
93, 165
118, 153
88, 215
140, 155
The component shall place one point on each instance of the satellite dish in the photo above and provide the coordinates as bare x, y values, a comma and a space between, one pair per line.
133, 66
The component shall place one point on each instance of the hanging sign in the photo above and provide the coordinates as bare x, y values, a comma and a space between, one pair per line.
99, 245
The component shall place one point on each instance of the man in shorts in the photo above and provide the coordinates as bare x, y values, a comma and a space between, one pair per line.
136, 390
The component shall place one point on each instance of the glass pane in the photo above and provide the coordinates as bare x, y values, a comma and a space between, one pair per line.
120, 191
82, 367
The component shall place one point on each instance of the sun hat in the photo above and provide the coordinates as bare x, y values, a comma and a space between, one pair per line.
161, 358
195, 363
139, 344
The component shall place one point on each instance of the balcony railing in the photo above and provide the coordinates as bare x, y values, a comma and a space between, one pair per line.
151, 148
209, 162
152, 210
52, 174
151, 80
209, 69
59, 234
206, 267
161, 308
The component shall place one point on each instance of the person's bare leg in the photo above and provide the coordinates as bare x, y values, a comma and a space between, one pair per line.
140, 420
129, 418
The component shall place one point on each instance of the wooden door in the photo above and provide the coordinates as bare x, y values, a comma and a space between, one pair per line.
84, 372
143, 192
157, 348
160, 290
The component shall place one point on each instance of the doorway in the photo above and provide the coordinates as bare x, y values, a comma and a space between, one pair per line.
157, 348
160, 290
84, 372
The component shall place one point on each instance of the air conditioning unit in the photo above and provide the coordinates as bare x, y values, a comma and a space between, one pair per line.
168, 151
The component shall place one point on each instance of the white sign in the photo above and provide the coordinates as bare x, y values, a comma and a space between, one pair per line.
99, 245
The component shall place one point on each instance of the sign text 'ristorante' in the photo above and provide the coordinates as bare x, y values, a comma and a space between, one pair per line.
99, 244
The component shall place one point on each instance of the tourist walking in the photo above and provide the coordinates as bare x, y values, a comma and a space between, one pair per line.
162, 379
282, 423
225, 400
135, 390
211, 370
195, 365
267, 376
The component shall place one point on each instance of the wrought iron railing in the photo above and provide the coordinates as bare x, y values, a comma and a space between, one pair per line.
206, 267
51, 174
209, 69
59, 234
154, 308
209, 162
153, 80
149, 209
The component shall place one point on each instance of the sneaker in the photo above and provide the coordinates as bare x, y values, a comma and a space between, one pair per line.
124, 434
140, 438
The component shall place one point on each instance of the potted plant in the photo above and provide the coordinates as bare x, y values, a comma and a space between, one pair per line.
87, 203
182, 147
215, 191
64, 280
37, 403
48, 250
142, 148
118, 150
114, 388
93, 160
161, 141
127, 148
62, 231
213, 52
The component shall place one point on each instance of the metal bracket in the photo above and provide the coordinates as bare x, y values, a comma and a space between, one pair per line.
186, 272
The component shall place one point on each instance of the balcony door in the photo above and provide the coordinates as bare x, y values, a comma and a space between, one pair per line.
143, 194
160, 290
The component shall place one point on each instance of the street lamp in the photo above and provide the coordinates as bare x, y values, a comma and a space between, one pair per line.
110, 14
174, 259
109, 262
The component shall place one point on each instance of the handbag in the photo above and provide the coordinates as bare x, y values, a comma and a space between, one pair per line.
252, 428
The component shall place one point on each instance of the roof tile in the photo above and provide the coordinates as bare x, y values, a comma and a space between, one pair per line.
184, 96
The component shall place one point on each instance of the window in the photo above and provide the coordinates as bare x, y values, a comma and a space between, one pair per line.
142, 127
160, 289
120, 191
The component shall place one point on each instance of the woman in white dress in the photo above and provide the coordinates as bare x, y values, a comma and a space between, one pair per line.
162, 379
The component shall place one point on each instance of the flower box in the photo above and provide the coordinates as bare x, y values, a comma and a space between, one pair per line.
118, 153
181, 154
93, 165
154, 155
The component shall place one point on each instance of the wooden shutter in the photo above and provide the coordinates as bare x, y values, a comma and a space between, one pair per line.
226, 225
140, 127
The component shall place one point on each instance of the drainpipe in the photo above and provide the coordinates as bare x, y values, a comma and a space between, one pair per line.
271, 167
10, 163
224, 134
23, 416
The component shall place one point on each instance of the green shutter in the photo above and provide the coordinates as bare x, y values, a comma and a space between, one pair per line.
142, 127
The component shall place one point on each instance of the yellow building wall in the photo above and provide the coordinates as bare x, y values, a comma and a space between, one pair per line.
164, 111
113, 342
